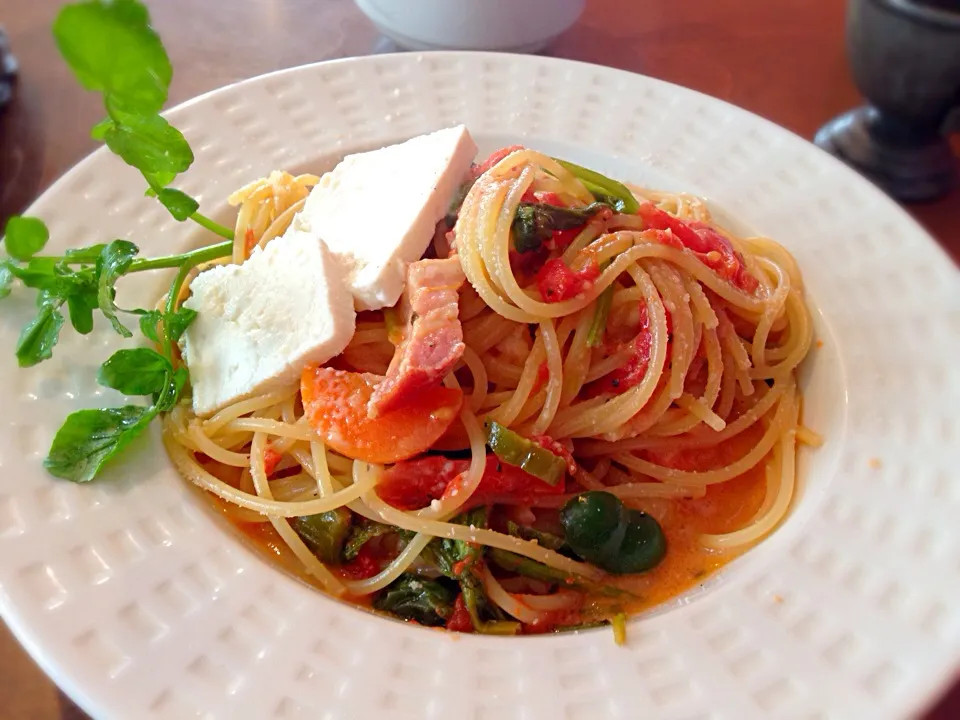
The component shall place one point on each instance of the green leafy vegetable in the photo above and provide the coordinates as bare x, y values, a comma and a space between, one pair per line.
325, 533
6, 281
81, 307
85, 254
454, 557
520, 565
514, 449
365, 531
150, 144
598, 324
41, 334
456, 202
25, 236
604, 189
460, 561
113, 262
176, 323
140, 371
180, 205
479, 607
544, 539
534, 223
112, 49
428, 602
149, 320
170, 394
89, 438
601, 530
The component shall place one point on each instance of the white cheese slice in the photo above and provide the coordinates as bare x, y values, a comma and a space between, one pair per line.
260, 323
377, 210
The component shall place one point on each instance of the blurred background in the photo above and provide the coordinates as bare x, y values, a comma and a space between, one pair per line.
788, 61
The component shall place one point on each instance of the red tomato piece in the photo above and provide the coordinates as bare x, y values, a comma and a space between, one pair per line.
556, 281
413, 484
549, 198
271, 458
525, 265
249, 241
495, 157
364, 565
632, 372
460, 620
543, 374
710, 247
562, 239
335, 403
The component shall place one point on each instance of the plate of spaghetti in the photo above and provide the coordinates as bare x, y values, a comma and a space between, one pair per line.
488, 385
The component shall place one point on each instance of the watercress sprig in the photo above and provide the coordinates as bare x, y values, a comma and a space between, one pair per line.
112, 49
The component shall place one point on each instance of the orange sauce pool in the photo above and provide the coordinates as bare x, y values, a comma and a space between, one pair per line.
724, 508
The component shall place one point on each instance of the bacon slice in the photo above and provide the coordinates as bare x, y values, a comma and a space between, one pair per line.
432, 341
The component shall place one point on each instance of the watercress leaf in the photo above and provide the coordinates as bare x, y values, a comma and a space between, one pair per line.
111, 48
38, 274
453, 558
412, 598
151, 145
363, 532
99, 131
176, 323
175, 382
81, 307
324, 533
158, 179
180, 205
112, 263
149, 319
41, 334
88, 439
136, 371
536, 222
6, 280
87, 254
25, 236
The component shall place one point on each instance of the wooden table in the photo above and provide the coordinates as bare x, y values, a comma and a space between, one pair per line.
784, 61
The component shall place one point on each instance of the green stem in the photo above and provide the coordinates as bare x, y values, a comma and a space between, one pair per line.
187, 259
172, 304
194, 257
205, 222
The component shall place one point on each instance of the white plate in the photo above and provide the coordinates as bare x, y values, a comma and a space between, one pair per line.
139, 603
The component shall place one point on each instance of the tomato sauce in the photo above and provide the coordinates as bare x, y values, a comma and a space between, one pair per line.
725, 507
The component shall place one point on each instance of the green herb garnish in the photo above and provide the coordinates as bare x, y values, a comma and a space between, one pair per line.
111, 49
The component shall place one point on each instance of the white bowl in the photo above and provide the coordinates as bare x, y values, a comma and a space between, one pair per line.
510, 25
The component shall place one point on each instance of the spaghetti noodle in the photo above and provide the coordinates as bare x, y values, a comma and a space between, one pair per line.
648, 349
